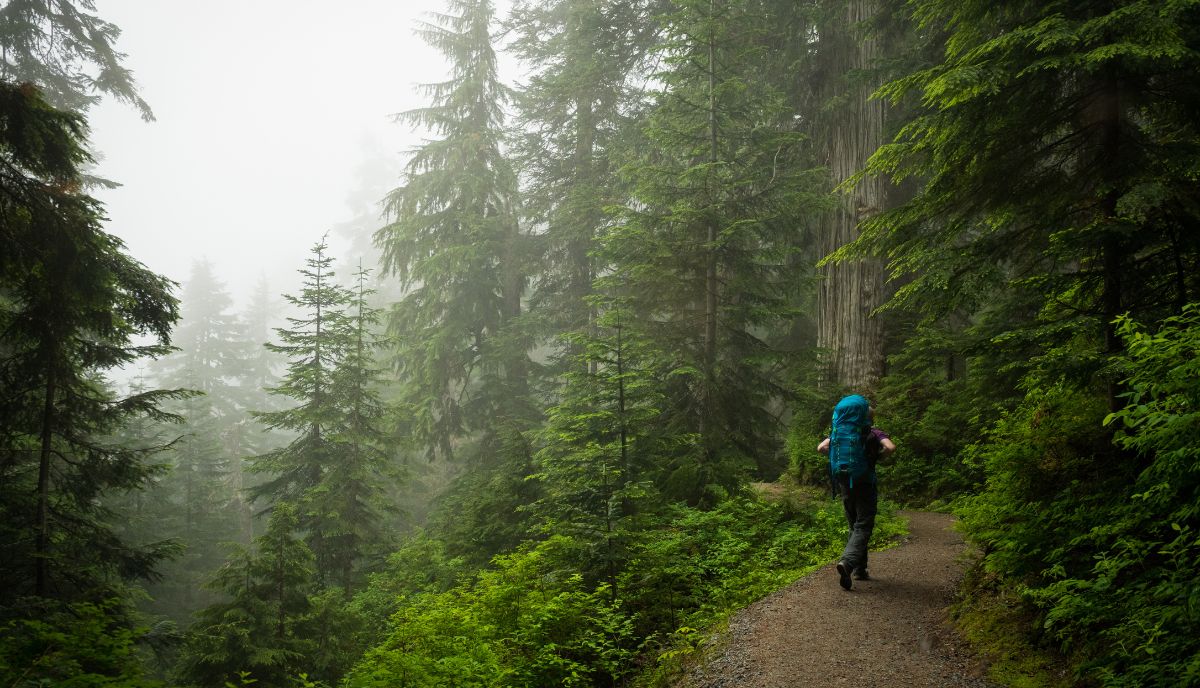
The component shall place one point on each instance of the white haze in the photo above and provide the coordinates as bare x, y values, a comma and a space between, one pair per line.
273, 127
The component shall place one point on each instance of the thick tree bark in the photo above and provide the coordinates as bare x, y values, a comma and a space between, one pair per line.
851, 291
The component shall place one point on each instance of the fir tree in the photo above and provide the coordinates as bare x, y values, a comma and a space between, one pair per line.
260, 629
72, 302
572, 113
68, 52
314, 345
455, 245
1052, 154
348, 501
700, 254
200, 504
599, 447
335, 469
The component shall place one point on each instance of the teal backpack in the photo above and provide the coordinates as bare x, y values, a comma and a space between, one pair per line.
847, 441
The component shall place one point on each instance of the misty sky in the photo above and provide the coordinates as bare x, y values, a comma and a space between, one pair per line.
272, 127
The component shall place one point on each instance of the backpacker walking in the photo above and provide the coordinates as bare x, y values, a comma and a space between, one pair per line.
854, 447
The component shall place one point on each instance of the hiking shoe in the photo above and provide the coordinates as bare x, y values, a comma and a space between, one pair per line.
861, 573
843, 570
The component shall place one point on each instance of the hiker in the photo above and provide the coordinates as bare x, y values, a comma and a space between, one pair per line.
854, 447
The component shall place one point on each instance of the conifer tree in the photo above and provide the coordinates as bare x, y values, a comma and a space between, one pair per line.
700, 252
68, 52
579, 101
260, 629
455, 245
1052, 153
599, 446
849, 126
348, 503
314, 345
199, 504
72, 303
255, 370
334, 469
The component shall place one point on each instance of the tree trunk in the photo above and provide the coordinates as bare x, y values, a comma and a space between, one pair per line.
710, 268
846, 329
41, 556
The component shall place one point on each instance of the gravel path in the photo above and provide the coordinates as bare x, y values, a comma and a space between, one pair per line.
888, 631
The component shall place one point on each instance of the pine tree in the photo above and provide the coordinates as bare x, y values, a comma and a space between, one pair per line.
599, 447
67, 52
579, 101
850, 126
348, 503
255, 370
72, 303
455, 245
1052, 156
335, 470
260, 629
314, 345
701, 251
200, 504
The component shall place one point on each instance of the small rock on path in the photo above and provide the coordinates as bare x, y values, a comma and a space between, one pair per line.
890, 631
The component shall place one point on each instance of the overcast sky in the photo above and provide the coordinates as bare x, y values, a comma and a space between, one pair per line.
270, 113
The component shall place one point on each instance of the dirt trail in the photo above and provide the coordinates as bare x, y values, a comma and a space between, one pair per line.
889, 631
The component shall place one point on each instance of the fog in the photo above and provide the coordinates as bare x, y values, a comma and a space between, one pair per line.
273, 127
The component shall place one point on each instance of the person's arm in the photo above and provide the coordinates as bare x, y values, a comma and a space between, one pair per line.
823, 447
886, 446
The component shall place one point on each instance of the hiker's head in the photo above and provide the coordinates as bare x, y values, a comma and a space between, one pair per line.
871, 414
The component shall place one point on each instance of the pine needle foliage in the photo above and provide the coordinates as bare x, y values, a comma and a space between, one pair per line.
1056, 151
587, 61
335, 468
68, 52
454, 245
700, 252
72, 304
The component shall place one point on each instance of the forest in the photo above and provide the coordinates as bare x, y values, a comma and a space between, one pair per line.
514, 439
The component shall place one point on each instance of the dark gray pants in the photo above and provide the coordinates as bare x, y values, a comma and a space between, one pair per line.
860, 505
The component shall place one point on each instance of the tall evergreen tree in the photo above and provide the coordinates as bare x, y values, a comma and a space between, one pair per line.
334, 469
455, 245
314, 345
68, 52
72, 303
1053, 152
1055, 157
850, 126
701, 251
261, 628
348, 501
198, 501
579, 100
599, 446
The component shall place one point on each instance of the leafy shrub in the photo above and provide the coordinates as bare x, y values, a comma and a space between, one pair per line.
80, 645
1102, 539
532, 620
527, 621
